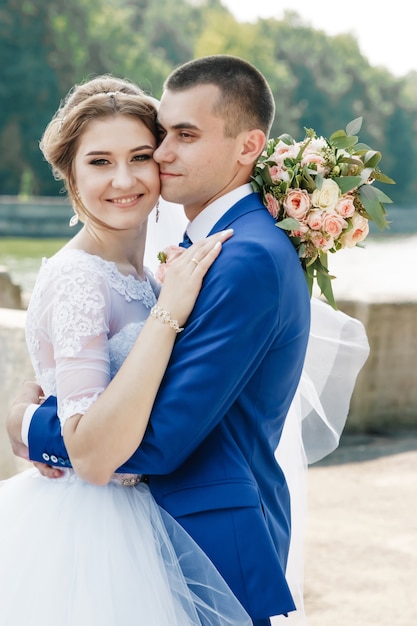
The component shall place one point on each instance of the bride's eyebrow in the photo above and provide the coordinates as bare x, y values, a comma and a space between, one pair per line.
106, 152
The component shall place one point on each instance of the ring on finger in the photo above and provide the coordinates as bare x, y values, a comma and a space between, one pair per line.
194, 260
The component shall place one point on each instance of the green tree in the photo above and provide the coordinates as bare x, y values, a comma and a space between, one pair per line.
318, 81
28, 92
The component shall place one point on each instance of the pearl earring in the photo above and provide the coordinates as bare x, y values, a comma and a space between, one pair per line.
74, 220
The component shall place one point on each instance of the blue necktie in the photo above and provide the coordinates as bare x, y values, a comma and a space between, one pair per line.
186, 242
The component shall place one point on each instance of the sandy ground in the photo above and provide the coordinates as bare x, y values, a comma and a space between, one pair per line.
361, 541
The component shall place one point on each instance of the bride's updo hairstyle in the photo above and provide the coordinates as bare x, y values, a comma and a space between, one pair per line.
100, 98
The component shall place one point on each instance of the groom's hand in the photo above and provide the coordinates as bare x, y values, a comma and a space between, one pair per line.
30, 393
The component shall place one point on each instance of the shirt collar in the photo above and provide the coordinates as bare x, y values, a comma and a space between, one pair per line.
201, 225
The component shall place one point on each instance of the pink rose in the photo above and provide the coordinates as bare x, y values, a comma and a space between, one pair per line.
277, 172
169, 254
297, 203
333, 224
316, 159
358, 232
272, 205
300, 232
284, 151
345, 206
315, 219
321, 241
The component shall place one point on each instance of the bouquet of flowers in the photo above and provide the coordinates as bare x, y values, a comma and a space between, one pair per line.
321, 192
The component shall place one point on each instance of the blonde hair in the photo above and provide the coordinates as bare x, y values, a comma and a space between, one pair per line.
99, 98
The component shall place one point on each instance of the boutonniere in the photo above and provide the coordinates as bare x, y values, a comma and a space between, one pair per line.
165, 258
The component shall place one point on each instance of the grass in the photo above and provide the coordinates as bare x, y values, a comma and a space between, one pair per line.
29, 248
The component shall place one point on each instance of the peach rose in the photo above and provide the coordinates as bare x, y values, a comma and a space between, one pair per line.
345, 206
311, 157
278, 172
315, 219
333, 224
321, 241
297, 203
300, 232
358, 232
284, 151
327, 197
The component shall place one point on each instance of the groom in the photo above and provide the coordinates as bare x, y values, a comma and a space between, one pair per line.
221, 407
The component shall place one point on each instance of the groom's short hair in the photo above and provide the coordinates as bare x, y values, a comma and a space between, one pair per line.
246, 101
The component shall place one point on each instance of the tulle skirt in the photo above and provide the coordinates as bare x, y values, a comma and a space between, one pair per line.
75, 554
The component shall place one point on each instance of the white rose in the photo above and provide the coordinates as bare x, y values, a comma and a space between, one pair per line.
358, 232
327, 197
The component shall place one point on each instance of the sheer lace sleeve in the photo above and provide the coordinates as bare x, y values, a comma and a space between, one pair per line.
68, 322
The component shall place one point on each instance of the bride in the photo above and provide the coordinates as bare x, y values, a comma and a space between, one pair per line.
79, 553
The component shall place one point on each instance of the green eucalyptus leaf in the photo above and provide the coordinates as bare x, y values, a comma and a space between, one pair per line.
366, 174
354, 160
354, 126
287, 139
372, 158
383, 178
310, 282
289, 223
343, 143
319, 180
382, 197
347, 183
326, 289
368, 196
324, 279
362, 148
337, 135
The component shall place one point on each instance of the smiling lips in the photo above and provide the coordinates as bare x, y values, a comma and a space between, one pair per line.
125, 200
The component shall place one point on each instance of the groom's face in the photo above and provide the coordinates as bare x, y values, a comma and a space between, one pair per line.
198, 163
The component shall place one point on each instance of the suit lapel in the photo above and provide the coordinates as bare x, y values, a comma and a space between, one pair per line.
248, 204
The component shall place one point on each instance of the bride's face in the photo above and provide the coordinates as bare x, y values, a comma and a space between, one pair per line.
115, 175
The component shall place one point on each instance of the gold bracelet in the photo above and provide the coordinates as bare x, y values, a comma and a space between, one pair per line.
164, 316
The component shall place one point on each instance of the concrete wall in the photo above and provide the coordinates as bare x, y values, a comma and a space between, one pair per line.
35, 217
15, 368
385, 396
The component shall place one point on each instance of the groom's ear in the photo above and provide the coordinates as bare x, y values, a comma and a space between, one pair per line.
252, 146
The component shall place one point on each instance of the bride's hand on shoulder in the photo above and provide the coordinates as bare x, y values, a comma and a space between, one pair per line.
185, 272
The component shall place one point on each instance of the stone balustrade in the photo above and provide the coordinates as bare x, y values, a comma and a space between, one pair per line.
15, 368
385, 395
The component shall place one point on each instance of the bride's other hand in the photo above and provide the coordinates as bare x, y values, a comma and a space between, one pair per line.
184, 276
47, 470
29, 393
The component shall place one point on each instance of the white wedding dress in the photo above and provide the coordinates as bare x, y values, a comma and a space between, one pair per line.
76, 554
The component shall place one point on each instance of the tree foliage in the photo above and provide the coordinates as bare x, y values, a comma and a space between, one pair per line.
318, 81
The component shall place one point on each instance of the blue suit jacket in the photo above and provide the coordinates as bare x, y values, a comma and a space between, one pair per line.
218, 416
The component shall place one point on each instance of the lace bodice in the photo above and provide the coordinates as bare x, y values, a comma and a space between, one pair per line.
82, 320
